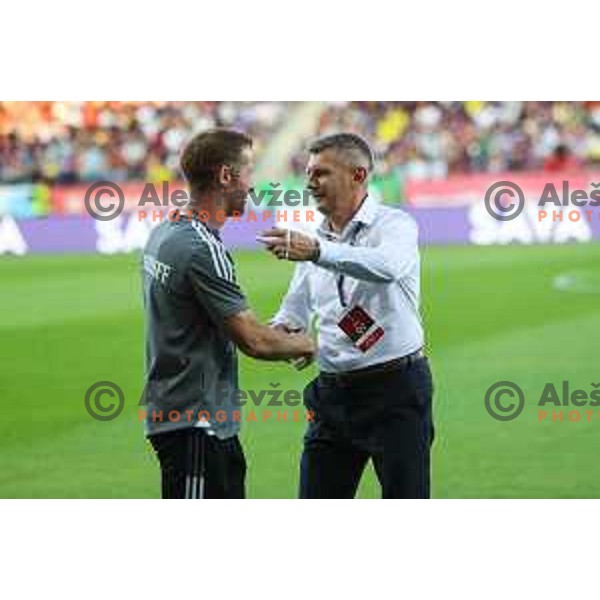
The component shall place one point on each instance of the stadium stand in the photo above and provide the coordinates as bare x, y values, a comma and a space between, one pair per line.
68, 142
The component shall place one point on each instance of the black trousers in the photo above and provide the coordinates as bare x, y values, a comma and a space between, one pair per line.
195, 465
386, 418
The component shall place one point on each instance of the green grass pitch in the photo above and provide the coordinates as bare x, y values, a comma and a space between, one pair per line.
491, 314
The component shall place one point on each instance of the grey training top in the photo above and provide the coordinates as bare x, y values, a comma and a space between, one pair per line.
190, 287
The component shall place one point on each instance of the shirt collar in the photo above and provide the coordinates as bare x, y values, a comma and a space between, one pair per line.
214, 232
365, 215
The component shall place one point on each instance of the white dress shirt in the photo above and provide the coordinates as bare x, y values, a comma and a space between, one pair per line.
378, 255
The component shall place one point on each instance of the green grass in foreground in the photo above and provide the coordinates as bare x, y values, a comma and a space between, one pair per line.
491, 314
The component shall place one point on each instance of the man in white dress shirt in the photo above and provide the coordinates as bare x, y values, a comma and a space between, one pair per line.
360, 278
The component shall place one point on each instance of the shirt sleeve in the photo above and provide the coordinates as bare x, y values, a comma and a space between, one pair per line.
212, 278
295, 309
392, 256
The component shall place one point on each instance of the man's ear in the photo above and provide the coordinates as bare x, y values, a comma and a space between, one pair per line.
360, 174
225, 174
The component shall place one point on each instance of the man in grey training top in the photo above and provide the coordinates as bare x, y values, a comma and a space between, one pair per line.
196, 315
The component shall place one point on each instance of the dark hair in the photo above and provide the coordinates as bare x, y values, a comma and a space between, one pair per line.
208, 151
349, 143
562, 151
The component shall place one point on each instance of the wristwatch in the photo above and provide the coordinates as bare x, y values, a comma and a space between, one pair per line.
316, 252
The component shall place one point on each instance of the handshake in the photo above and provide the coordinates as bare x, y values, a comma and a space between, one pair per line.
280, 341
300, 362
295, 246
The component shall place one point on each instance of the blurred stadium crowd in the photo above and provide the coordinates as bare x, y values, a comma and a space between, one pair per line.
69, 142
431, 140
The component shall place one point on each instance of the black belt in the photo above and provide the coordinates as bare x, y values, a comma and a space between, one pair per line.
389, 366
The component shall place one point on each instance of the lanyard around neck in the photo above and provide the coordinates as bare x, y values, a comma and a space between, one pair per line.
340, 279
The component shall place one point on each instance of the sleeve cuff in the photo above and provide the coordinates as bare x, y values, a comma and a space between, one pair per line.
329, 254
234, 308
